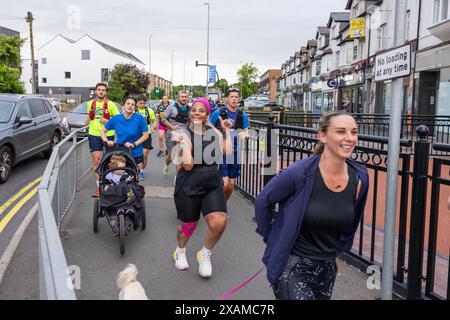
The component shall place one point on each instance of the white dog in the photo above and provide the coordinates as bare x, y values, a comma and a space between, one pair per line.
130, 288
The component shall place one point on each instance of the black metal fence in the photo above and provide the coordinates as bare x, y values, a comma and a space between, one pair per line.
371, 125
272, 147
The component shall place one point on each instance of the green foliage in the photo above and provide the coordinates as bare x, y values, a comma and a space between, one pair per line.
223, 85
127, 79
10, 64
247, 76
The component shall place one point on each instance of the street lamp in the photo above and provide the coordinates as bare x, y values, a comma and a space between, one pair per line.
150, 59
207, 51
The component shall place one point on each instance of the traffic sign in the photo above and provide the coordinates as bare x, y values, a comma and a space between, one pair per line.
392, 64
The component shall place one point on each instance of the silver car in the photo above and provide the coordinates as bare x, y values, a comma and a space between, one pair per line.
28, 125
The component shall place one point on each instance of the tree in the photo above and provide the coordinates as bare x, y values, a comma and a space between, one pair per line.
247, 76
125, 80
222, 84
10, 64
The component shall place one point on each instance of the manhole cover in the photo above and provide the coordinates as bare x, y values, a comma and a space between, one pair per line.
159, 192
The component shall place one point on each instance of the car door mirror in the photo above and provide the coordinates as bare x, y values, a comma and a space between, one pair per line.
24, 120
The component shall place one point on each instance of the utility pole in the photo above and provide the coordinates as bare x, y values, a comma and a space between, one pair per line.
171, 91
150, 60
33, 69
394, 153
207, 52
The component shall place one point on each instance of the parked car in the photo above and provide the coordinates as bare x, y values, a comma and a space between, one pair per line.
76, 119
28, 125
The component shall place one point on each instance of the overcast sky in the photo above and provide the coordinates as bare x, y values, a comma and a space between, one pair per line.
262, 32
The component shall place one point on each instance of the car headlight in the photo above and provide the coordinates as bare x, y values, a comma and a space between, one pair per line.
64, 121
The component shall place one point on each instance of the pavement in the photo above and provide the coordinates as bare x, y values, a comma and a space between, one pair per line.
235, 258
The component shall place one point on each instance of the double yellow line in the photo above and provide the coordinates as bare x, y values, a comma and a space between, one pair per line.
5, 220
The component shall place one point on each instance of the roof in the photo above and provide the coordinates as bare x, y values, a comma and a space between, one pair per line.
311, 43
118, 51
323, 30
104, 45
338, 17
14, 97
9, 32
344, 26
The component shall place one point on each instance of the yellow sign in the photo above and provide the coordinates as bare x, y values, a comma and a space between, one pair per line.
357, 28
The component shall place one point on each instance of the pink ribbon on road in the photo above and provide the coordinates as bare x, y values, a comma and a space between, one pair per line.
229, 294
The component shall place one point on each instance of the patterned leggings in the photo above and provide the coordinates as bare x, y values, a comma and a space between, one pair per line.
306, 279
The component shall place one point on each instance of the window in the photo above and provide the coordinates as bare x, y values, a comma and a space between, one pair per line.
104, 75
37, 108
440, 11
44, 60
44, 80
381, 36
318, 65
408, 23
355, 53
85, 54
23, 111
67, 75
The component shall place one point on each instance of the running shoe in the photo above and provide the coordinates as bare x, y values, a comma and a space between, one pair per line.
166, 170
167, 153
160, 153
141, 175
179, 256
96, 194
204, 264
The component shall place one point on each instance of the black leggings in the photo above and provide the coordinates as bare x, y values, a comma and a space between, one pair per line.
306, 279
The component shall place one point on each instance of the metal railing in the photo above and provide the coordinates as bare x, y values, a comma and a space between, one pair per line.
418, 211
69, 162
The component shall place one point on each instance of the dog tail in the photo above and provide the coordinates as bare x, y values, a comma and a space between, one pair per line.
126, 276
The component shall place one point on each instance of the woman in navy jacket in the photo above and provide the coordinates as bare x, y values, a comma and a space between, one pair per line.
321, 200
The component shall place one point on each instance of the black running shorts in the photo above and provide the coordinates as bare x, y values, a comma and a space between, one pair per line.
190, 207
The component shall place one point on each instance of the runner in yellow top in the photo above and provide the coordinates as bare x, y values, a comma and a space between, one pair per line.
149, 116
96, 119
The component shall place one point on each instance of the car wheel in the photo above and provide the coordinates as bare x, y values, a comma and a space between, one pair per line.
6, 162
55, 140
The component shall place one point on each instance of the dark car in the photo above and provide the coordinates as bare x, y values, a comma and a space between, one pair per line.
28, 125
76, 119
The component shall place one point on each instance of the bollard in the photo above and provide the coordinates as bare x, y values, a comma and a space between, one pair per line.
267, 165
418, 207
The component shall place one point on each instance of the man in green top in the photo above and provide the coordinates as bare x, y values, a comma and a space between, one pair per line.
149, 116
99, 110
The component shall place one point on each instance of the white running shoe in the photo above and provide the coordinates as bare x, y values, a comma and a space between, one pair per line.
204, 264
179, 256
166, 170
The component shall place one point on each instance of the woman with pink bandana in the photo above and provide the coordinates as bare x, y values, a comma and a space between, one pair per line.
199, 186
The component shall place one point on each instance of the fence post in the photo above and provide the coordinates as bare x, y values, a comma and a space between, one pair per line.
267, 165
418, 207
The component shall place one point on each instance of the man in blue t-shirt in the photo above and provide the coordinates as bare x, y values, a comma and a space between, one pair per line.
237, 120
131, 130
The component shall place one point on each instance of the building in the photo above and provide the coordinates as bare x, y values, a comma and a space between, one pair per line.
432, 70
267, 83
161, 83
9, 32
67, 66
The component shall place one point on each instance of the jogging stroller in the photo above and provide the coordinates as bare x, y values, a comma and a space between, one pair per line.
122, 204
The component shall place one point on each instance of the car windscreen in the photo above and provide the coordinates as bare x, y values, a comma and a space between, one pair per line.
82, 109
6, 108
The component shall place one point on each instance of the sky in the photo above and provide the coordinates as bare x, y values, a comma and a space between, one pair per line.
263, 32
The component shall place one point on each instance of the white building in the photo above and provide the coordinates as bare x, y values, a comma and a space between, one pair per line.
432, 77
75, 67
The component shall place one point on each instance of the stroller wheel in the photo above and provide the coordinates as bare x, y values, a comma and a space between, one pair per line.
122, 233
143, 217
96, 215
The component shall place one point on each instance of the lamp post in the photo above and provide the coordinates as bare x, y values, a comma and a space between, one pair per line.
150, 61
171, 91
207, 51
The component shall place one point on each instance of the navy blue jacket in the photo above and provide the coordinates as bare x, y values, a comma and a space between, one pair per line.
292, 188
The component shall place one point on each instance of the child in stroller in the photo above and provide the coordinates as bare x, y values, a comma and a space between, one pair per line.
121, 196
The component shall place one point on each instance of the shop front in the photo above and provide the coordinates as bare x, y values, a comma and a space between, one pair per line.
351, 93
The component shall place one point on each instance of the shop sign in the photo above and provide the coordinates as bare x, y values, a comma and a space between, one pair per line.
357, 28
392, 64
